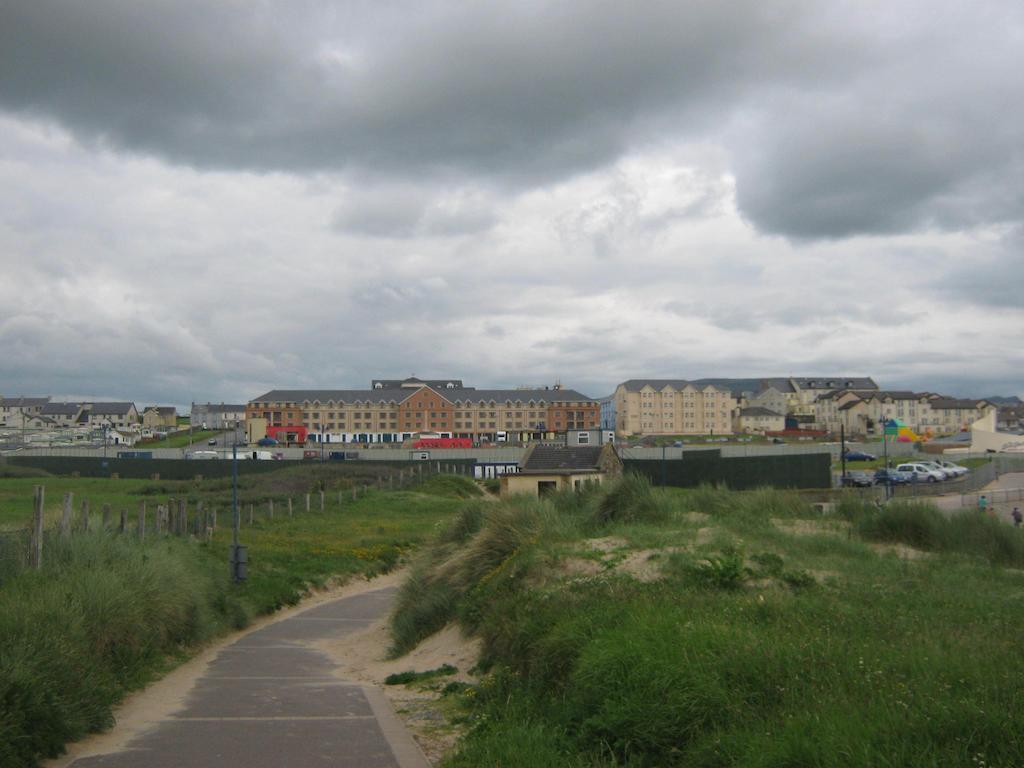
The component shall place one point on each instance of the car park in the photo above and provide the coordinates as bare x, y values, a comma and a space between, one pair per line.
886, 476
953, 467
921, 473
858, 479
859, 456
947, 474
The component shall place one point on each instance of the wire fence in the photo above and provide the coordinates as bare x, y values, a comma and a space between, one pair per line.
26, 547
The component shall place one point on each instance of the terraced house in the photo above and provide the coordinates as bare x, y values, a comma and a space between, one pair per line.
393, 410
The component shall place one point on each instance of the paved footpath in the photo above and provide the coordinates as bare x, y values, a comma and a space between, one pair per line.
271, 701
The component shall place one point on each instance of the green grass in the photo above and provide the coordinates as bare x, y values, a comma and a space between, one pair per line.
103, 616
783, 638
197, 439
107, 614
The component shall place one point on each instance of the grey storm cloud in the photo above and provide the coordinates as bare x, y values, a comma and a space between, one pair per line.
842, 120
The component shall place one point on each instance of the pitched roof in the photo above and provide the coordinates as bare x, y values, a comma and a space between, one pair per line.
412, 382
635, 385
950, 403
111, 409
400, 394
60, 409
23, 402
834, 382
549, 458
756, 410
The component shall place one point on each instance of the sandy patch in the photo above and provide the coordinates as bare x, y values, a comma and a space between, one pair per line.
901, 551
696, 517
644, 564
705, 536
360, 657
606, 544
145, 709
580, 566
812, 527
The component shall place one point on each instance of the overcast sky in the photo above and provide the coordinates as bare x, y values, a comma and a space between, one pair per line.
205, 200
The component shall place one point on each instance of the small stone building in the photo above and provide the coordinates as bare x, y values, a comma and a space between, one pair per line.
548, 469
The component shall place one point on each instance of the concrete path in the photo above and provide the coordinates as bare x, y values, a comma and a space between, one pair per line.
269, 700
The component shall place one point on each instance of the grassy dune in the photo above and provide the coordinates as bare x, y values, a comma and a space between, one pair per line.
639, 627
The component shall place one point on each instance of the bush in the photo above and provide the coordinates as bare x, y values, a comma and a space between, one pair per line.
725, 571
630, 499
916, 524
99, 619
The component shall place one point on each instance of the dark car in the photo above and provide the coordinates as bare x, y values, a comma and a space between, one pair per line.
858, 480
859, 456
266, 441
890, 477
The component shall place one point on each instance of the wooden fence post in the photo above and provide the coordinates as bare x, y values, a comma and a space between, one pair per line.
65, 516
106, 517
183, 517
85, 515
307, 502
289, 506
354, 491
322, 502
37, 527
124, 521
159, 516
142, 521
270, 507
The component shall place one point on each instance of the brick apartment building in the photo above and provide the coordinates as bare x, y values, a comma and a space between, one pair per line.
393, 410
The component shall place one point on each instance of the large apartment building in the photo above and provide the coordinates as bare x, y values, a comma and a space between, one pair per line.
673, 407
926, 413
392, 411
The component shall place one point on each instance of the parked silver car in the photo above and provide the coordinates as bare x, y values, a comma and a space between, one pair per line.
922, 473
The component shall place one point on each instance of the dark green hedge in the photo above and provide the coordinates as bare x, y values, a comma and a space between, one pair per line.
740, 473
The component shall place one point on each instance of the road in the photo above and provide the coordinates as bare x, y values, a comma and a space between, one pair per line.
270, 700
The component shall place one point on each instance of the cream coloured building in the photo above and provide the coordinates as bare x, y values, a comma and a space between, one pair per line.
926, 413
672, 407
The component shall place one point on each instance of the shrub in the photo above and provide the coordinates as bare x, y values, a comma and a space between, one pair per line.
630, 499
97, 620
914, 523
725, 571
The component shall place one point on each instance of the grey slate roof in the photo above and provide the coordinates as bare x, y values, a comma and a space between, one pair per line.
399, 394
412, 382
635, 385
23, 402
111, 409
553, 458
60, 409
945, 403
834, 382
756, 410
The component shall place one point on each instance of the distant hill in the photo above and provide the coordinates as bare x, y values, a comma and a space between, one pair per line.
1014, 400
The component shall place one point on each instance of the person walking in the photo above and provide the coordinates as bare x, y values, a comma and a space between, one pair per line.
1017, 516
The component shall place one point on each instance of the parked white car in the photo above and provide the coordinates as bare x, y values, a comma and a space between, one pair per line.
922, 473
947, 474
956, 469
